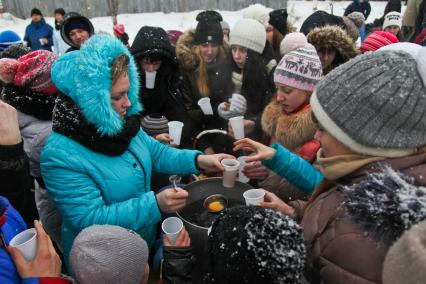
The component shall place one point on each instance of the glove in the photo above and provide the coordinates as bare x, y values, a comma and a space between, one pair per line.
238, 104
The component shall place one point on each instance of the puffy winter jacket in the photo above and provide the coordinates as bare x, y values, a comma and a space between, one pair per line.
35, 31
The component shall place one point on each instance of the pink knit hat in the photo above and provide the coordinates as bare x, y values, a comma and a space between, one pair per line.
377, 40
291, 42
119, 29
300, 69
32, 70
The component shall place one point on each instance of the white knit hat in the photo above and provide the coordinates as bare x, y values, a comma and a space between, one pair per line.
250, 34
292, 41
257, 12
392, 19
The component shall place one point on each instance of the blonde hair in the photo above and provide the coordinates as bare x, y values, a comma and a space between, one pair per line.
202, 78
119, 67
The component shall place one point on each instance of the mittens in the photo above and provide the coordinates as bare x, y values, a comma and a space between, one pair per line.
238, 107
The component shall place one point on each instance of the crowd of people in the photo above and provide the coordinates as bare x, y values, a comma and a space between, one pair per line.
335, 129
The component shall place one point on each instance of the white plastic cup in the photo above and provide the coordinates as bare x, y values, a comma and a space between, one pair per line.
205, 106
172, 227
26, 242
150, 79
241, 176
41, 41
254, 196
232, 106
237, 125
175, 131
230, 174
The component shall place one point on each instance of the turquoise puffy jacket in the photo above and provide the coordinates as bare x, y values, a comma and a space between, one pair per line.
94, 188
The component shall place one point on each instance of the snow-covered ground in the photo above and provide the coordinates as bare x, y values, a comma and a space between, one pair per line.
298, 11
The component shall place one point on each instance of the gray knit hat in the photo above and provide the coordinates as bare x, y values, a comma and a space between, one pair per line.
155, 124
406, 259
250, 34
375, 103
108, 254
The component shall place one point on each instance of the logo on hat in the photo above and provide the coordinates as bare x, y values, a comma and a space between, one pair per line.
209, 38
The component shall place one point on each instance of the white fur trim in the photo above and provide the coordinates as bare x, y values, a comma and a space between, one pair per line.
338, 133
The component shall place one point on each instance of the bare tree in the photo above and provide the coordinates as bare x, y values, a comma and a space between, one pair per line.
113, 9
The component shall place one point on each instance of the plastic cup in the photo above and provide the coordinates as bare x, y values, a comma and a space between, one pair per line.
230, 174
241, 176
205, 106
172, 227
150, 79
26, 242
175, 131
41, 41
232, 106
254, 196
237, 125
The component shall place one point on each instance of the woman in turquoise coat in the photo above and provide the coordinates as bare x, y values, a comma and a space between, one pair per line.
97, 163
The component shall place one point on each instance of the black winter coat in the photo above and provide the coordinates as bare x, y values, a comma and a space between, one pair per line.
16, 182
177, 265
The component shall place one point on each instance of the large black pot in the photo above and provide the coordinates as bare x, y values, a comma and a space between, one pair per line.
198, 219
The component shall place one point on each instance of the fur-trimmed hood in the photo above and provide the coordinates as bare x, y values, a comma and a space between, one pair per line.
85, 77
333, 37
386, 204
291, 131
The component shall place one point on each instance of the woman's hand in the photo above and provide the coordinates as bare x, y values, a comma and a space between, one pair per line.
211, 163
249, 126
9, 125
172, 199
262, 152
255, 170
46, 262
273, 202
165, 138
182, 240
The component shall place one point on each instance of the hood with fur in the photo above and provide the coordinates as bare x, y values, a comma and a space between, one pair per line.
85, 77
386, 204
291, 131
333, 37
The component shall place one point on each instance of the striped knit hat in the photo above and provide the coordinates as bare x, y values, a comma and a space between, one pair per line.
377, 40
300, 69
155, 124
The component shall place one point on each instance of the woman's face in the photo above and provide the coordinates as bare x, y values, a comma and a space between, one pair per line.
209, 51
239, 54
330, 146
270, 34
119, 99
291, 99
327, 56
149, 65
393, 30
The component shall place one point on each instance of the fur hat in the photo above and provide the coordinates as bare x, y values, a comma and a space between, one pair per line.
108, 254
208, 28
8, 38
358, 18
406, 259
250, 244
377, 40
32, 70
392, 19
73, 20
248, 33
278, 19
300, 69
257, 12
119, 29
291, 42
380, 98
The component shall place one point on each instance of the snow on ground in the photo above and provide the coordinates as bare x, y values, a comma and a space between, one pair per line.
298, 11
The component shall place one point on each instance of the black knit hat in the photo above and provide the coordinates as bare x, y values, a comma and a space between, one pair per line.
15, 51
152, 41
74, 20
278, 19
250, 244
36, 11
155, 124
208, 28
320, 19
